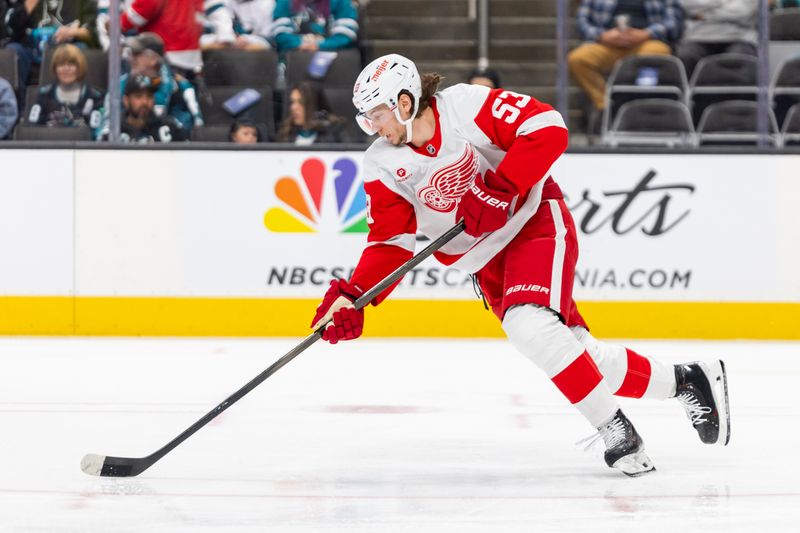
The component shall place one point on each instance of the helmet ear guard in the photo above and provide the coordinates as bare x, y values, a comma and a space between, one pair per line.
381, 82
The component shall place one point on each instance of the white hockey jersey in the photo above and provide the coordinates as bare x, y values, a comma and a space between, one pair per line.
412, 189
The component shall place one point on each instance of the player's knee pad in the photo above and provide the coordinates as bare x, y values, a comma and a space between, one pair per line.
610, 358
539, 335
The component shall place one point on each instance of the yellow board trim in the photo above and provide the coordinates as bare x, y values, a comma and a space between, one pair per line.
243, 317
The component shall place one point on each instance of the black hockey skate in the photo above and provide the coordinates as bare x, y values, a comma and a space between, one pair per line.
703, 391
624, 446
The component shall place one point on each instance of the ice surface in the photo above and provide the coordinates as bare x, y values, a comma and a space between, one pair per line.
417, 436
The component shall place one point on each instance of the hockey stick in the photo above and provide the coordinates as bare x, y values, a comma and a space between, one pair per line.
108, 466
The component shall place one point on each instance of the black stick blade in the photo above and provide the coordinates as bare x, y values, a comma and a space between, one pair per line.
107, 466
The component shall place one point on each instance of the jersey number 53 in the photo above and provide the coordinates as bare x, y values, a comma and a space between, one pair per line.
508, 104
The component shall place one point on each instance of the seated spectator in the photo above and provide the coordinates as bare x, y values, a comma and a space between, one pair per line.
33, 25
217, 25
486, 77
244, 131
310, 120
252, 23
8, 108
714, 27
617, 29
174, 95
314, 25
69, 101
177, 25
783, 4
140, 124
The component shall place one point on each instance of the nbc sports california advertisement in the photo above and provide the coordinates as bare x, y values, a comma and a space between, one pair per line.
664, 240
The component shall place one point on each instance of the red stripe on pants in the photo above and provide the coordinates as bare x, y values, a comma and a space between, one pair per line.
578, 379
636, 378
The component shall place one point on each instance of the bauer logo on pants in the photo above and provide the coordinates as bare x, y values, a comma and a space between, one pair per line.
307, 201
527, 288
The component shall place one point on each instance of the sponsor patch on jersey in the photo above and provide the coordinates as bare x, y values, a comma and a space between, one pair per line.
448, 184
527, 287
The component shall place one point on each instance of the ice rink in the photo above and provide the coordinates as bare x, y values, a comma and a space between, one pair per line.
376, 435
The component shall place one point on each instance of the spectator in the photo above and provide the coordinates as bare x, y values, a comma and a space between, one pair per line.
174, 95
616, 29
8, 108
310, 120
244, 131
33, 25
314, 25
715, 27
69, 101
176, 22
252, 23
783, 4
218, 25
484, 76
140, 123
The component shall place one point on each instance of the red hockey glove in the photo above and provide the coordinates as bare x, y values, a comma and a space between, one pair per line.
485, 206
343, 321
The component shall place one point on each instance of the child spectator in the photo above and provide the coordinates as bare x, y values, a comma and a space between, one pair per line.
714, 27
68, 101
244, 131
486, 77
140, 123
8, 108
615, 29
310, 120
34, 25
314, 25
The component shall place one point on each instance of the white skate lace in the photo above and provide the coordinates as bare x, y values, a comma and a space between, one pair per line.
612, 434
694, 410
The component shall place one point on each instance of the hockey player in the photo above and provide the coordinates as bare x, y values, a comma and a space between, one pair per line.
484, 155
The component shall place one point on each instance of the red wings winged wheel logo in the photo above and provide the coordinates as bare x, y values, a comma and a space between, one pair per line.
449, 183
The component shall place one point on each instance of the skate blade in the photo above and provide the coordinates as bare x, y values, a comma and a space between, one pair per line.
719, 386
635, 465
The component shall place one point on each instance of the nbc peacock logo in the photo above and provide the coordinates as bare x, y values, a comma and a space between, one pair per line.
322, 197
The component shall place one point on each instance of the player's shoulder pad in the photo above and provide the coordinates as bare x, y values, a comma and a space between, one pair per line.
374, 159
463, 100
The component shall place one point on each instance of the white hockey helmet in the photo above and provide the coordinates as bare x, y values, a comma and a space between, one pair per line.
381, 83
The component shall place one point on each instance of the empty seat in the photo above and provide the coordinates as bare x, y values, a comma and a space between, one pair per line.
790, 133
722, 77
734, 122
340, 101
785, 88
251, 68
342, 72
8, 66
652, 122
31, 92
35, 132
784, 25
215, 114
645, 76
96, 75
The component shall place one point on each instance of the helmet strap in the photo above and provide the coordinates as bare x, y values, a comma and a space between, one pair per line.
407, 123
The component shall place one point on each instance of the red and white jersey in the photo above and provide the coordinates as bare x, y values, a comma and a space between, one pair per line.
412, 190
